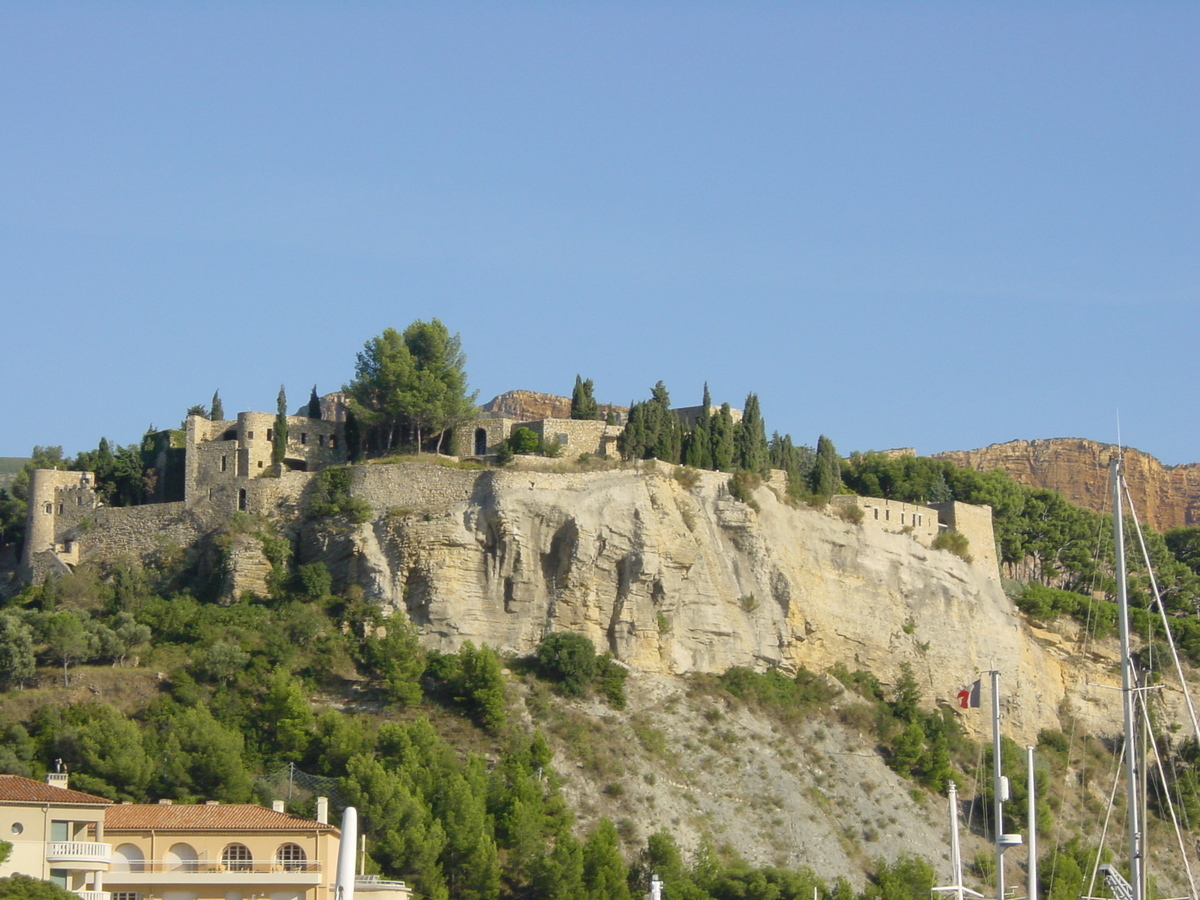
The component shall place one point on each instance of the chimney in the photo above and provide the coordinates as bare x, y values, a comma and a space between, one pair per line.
58, 779
323, 810
164, 802
277, 805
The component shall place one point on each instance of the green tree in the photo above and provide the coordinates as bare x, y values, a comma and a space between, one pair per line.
216, 411
698, 450
604, 874
67, 640
412, 382
314, 404
750, 439
524, 440
199, 757
480, 685
18, 664
397, 657
723, 447
25, 887
583, 403
285, 719
280, 440
826, 477
568, 659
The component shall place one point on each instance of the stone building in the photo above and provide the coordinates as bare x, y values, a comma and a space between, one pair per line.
223, 467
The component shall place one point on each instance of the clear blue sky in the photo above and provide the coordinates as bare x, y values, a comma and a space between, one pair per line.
937, 225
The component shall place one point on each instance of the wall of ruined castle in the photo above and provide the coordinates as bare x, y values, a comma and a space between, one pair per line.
579, 436
976, 523
893, 516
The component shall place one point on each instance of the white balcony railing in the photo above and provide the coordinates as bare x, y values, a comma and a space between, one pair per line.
79, 854
93, 895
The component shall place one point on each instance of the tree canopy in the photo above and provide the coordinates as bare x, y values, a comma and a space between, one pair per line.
410, 388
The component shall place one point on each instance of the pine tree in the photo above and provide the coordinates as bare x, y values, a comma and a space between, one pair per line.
217, 412
314, 404
699, 444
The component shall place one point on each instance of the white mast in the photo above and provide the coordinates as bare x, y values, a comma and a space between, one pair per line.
1031, 818
956, 889
343, 888
1128, 686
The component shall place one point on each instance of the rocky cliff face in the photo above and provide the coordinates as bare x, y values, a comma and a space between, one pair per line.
674, 579
1165, 497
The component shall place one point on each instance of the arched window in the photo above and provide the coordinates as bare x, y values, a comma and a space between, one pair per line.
480, 442
128, 858
291, 857
181, 858
237, 858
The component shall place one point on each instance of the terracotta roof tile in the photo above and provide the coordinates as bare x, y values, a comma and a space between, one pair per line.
16, 789
202, 817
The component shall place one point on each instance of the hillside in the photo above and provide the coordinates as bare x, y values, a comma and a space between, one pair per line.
665, 568
1165, 496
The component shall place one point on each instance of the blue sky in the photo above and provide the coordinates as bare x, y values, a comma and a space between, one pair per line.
936, 225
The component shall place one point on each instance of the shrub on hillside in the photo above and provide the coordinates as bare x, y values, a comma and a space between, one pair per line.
567, 659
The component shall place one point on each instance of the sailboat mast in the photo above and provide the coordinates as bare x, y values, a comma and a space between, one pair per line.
1128, 683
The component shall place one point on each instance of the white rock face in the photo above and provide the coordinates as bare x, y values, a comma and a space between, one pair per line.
673, 580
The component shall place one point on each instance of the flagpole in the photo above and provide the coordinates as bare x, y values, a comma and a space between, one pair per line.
998, 792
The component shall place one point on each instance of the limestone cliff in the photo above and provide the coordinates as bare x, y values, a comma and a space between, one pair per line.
1165, 496
674, 579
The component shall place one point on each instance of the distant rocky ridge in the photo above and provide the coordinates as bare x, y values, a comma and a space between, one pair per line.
1165, 496
531, 406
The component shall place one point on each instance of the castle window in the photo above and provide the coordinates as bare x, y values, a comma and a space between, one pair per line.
260, 463
49, 509
876, 511
270, 434
62, 507
224, 463
333, 440
303, 437
887, 515
320, 440
242, 499
250, 435
901, 518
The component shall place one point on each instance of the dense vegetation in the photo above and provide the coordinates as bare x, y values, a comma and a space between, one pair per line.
482, 817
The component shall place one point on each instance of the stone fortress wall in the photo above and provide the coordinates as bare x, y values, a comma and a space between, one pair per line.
228, 469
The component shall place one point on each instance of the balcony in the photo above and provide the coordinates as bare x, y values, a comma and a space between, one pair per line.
79, 855
93, 895
142, 873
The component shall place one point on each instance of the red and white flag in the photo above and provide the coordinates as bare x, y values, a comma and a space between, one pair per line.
968, 697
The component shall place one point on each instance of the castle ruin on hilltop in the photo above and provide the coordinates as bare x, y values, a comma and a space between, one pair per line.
225, 467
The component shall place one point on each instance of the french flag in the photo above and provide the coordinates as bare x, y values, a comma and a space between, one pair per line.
968, 697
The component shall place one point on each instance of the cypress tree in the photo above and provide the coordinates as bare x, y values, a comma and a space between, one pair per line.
583, 403
279, 446
722, 439
699, 444
314, 404
751, 438
217, 412
826, 476
353, 437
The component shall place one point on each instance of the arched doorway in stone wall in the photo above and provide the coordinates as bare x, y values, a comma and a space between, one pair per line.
480, 442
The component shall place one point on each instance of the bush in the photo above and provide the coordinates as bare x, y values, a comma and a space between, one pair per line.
568, 659
524, 440
852, 513
742, 486
687, 476
954, 541
331, 497
610, 680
